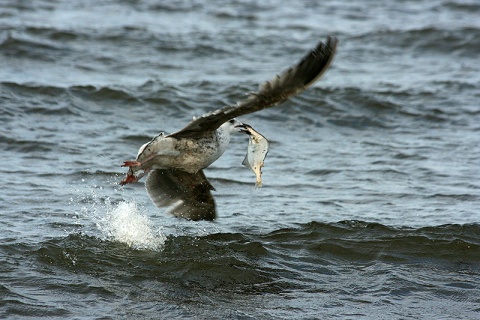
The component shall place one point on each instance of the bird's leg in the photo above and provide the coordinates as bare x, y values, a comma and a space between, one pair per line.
134, 166
132, 163
136, 163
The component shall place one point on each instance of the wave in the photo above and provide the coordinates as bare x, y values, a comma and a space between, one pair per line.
462, 42
257, 258
387, 108
128, 252
209, 262
32, 49
312, 258
352, 240
115, 108
26, 146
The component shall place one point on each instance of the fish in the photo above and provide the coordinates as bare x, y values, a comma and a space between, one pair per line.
256, 152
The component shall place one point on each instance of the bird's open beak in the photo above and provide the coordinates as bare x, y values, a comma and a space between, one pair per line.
243, 128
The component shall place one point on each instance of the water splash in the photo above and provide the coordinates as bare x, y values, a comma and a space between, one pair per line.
127, 224
122, 221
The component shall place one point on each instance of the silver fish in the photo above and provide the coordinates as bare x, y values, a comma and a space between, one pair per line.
256, 152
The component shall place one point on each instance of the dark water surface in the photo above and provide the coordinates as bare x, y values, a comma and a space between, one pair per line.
371, 197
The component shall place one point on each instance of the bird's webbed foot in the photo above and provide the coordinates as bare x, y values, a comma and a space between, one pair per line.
131, 177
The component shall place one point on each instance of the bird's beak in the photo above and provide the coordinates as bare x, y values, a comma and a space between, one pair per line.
243, 128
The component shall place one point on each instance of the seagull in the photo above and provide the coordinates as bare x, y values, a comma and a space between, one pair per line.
174, 163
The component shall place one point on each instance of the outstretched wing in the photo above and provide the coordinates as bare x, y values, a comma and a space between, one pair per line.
187, 194
285, 85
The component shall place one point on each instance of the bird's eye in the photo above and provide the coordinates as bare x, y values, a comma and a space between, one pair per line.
232, 121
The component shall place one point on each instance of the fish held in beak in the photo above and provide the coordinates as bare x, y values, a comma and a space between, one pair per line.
256, 152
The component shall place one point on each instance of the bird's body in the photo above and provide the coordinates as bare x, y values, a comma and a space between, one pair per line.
189, 154
174, 162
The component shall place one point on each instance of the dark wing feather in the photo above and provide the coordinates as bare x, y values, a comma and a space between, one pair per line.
289, 83
188, 194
